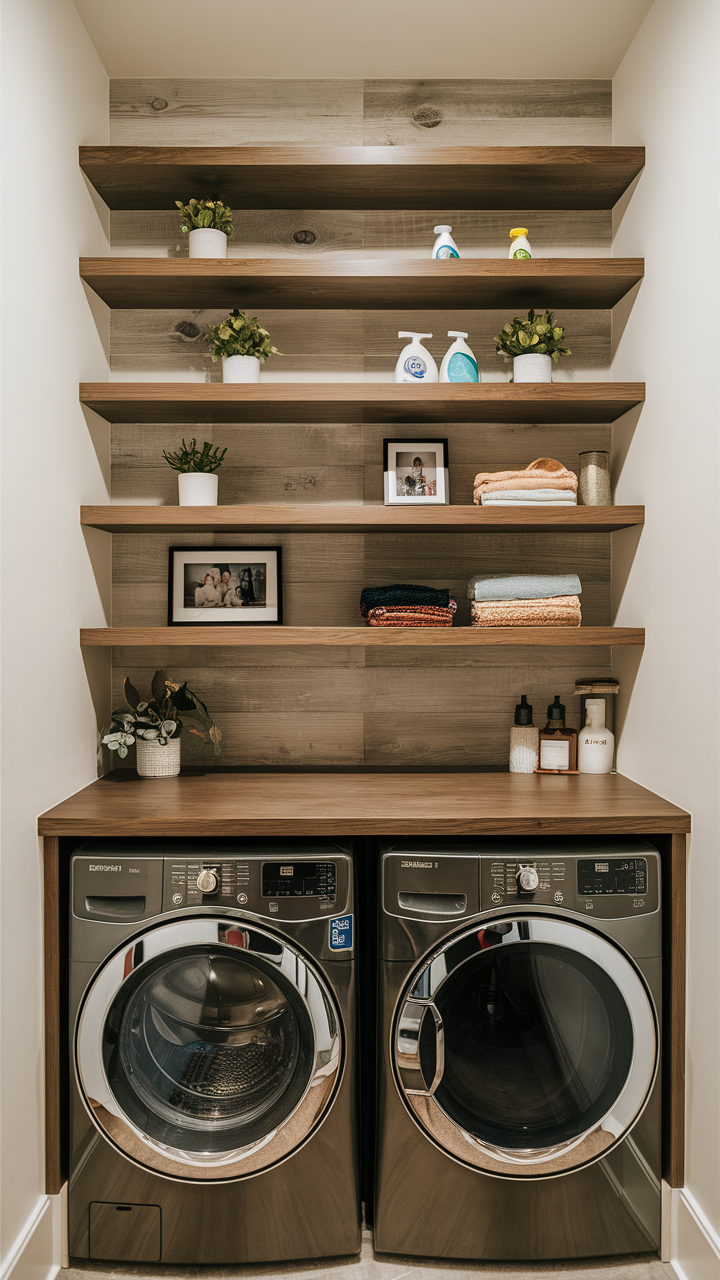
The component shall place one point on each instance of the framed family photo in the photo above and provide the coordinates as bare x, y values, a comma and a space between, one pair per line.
225, 586
416, 472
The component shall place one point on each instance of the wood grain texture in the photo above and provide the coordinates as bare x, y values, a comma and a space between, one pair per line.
363, 804
51, 997
364, 636
267, 233
356, 518
675, 973
337, 281
370, 177
345, 402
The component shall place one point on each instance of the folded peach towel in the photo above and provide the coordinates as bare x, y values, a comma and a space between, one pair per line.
561, 611
544, 473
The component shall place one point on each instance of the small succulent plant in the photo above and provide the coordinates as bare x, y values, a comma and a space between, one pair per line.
239, 336
538, 335
158, 719
205, 213
189, 458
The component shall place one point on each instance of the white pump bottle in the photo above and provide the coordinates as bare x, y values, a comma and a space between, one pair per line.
459, 363
444, 246
415, 364
596, 744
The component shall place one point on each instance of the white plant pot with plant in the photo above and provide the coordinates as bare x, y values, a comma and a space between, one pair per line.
534, 345
242, 345
156, 726
197, 478
207, 223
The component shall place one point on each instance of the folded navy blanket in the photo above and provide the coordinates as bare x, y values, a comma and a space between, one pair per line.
523, 586
399, 593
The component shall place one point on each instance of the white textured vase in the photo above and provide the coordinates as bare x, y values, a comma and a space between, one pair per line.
197, 489
532, 368
156, 761
207, 242
241, 369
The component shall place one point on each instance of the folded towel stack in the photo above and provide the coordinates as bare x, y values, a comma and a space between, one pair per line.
561, 611
407, 606
525, 600
545, 482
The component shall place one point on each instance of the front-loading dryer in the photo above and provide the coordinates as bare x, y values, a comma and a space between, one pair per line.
519, 1097
212, 1035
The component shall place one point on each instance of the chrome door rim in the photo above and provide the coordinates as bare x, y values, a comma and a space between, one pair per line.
566, 1157
109, 1117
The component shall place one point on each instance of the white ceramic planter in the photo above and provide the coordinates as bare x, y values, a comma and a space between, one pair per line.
155, 761
207, 242
532, 368
197, 488
241, 369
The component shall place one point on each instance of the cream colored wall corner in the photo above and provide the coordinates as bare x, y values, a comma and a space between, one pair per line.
54, 97
665, 95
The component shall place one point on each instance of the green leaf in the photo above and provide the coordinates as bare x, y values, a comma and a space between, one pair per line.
130, 694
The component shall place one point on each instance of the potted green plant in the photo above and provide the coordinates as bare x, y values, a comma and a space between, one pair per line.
197, 473
156, 726
534, 346
242, 343
208, 223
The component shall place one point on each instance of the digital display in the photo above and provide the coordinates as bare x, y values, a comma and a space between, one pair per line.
616, 875
301, 880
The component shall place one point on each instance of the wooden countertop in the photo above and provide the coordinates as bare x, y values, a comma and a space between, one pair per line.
290, 804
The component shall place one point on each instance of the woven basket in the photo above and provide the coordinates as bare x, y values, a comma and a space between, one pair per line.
156, 761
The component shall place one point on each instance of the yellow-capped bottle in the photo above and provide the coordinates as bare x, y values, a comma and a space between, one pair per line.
520, 247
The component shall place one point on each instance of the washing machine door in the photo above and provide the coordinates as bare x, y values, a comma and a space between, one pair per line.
527, 1047
207, 1049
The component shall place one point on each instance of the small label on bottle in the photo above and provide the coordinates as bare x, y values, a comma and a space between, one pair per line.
554, 755
447, 251
462, 368
521, 253
415, 366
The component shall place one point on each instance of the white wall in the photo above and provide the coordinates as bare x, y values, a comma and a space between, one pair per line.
665, 95
54, 96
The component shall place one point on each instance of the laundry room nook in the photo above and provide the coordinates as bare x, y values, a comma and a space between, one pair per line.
361, 823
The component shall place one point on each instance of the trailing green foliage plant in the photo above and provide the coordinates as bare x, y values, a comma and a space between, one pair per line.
240, 336
538, 335
205, 213
158, 719
189, 458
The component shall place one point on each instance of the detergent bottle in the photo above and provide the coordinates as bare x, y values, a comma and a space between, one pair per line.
520, 247
415, 364
459, 363
444, 246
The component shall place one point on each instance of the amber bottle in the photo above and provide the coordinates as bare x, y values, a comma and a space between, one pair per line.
558, 745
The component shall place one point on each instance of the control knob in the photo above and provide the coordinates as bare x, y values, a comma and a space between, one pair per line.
527, 880
207, 881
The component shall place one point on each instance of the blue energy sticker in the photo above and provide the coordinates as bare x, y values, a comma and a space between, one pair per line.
341, 933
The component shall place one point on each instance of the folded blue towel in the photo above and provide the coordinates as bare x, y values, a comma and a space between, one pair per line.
523, 586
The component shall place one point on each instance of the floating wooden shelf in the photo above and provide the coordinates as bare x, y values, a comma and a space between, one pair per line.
319, 518
557, 402
365, 177
336, 281
360, 636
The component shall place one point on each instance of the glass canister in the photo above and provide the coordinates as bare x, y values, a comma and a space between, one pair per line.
594, 479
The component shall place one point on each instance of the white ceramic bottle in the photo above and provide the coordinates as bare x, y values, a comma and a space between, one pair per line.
445, 246
415, 364
596, 744
520, 247
459, 363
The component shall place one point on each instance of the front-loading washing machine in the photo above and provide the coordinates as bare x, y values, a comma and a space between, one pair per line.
519, 1094
212, 1013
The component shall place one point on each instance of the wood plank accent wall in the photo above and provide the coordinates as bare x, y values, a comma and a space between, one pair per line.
350, 706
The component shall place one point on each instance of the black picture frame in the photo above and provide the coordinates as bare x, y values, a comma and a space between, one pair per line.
241, 616
417, 442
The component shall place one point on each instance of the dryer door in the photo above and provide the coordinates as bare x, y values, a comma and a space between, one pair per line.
527, 1048
207, 1050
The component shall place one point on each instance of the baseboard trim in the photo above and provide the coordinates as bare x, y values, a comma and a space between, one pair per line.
696, 1243
24, 1260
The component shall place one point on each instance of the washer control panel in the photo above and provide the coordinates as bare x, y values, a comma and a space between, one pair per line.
304, 889
601, 886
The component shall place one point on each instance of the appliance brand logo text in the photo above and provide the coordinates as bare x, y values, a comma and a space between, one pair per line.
426, 866
104, 866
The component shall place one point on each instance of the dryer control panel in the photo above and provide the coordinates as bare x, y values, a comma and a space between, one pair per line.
601, 886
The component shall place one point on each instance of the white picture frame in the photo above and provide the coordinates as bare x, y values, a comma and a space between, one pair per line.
415, 472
